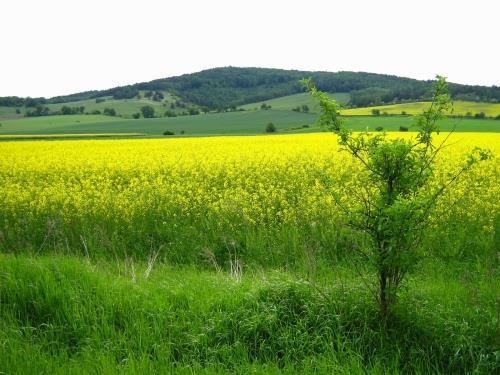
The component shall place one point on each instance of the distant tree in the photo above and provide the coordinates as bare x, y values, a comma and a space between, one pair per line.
379, 128
403, 128
168, 132
265, 106
157, 96
95, 112
38, 111
376, 112
148, 111
480, 115
18, 111
100, 100
270, 128
296, 109
403, 113
193, 111
305, 108
136, 115
169, 113
109, 111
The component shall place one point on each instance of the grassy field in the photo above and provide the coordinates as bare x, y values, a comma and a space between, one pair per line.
287, 103
459, 108
124, 107
247, 122
228, 255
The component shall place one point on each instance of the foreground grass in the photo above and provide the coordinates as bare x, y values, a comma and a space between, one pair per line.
71, 315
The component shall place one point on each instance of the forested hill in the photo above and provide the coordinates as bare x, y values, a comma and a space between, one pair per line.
231, 86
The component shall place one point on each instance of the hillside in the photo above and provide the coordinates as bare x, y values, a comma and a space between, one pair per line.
232, 86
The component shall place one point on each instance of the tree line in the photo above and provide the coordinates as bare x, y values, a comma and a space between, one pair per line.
230, 86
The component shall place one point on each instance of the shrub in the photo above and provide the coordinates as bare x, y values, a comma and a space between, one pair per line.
148, 111
168, 132
136, 115
170, 113
403, 128
375, 112
379, 128
109, 111
270, 128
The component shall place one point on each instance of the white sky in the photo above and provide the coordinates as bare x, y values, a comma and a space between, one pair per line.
56, 47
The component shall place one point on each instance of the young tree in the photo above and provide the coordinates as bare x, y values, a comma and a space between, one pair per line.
148, 111
270, 128
394, 198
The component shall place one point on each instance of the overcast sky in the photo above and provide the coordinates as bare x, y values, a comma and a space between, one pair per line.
56, 47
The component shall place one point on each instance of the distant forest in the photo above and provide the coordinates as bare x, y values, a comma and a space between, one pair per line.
231, 86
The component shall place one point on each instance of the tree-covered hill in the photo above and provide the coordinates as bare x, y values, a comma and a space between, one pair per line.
231, 86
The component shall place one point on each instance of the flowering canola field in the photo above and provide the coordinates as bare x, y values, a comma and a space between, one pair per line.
259, 196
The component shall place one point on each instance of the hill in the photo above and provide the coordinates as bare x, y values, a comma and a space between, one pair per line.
232, 86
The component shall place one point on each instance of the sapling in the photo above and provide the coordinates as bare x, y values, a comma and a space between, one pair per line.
395, 198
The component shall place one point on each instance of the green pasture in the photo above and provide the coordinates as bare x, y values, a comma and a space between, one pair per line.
292, 101
459, 108
246, 122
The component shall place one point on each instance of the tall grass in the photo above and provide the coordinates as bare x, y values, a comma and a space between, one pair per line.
62, 315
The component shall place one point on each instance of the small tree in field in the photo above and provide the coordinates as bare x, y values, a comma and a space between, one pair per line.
394, 198
270, 128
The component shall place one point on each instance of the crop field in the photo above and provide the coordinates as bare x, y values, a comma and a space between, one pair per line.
459, 108
232, 123
228, 255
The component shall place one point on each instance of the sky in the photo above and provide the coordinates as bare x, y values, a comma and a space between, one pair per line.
57, 47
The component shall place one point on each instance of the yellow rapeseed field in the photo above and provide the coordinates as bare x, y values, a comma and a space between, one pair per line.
231, 181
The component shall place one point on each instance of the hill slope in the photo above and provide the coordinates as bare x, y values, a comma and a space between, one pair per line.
231, 86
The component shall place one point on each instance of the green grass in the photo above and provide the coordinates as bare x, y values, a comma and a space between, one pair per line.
289, 102
84, 316
459, 108
217, 123
247, 122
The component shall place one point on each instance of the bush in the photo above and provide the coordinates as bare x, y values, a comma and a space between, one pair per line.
375, 112
403, 128
136, 115
305, 126
170, 113
95, 112
168, 132
403, 113
100, 100
270, 128
109, 111
480, 115
379, 128
148, 111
